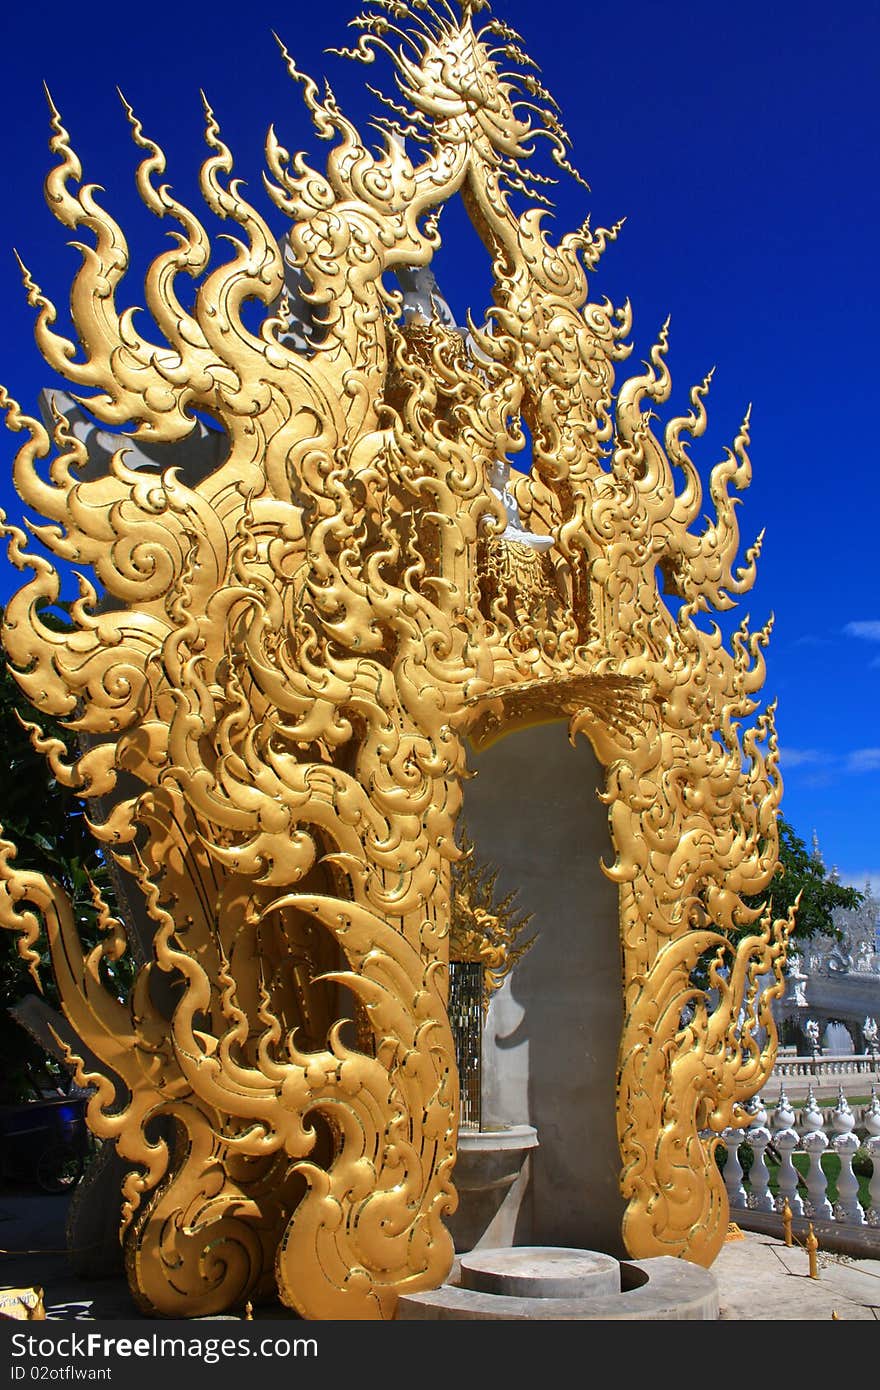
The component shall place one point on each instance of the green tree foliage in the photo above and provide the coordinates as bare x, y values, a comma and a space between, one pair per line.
803, 872
800, 872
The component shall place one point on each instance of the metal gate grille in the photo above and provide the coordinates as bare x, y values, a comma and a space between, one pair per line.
466, 1020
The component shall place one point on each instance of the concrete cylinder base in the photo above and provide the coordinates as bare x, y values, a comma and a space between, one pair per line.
655, 1290
491, 1178
541, 1272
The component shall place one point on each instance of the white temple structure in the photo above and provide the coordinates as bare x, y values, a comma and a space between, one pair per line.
836, 984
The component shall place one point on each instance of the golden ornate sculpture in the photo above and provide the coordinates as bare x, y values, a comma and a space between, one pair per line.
484, 929
273, 688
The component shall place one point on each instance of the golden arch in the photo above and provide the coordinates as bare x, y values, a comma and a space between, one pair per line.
274, 691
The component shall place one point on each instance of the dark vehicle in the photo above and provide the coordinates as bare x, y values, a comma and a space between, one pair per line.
44, 1141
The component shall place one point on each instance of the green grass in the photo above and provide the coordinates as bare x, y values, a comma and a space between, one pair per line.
830, 1167
829, 1102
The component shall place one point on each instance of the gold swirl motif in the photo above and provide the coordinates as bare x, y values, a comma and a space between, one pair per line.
293, 642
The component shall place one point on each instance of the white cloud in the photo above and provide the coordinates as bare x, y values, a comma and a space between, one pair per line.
800, 757
868, 631
863, 760
818, 764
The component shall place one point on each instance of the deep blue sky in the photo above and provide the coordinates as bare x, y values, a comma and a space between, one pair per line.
740, 142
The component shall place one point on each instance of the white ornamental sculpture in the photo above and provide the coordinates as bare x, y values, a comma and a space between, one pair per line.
855, 951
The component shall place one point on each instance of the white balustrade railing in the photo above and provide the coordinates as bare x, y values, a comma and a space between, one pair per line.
826, 1066
813, 1132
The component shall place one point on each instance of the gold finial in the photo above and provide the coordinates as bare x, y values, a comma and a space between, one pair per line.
786, 1222
812, 1247
248, 1311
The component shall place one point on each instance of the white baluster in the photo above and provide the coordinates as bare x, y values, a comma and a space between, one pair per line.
845, 1145
733, 1173
847, 1207
812, 1115
843, 1121
759, 1137
871, 1121
786, 1139
814, 1144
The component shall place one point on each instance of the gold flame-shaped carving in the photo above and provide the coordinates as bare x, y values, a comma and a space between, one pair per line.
273, 686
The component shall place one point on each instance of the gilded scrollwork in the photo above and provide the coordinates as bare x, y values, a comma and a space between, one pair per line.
274, 678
